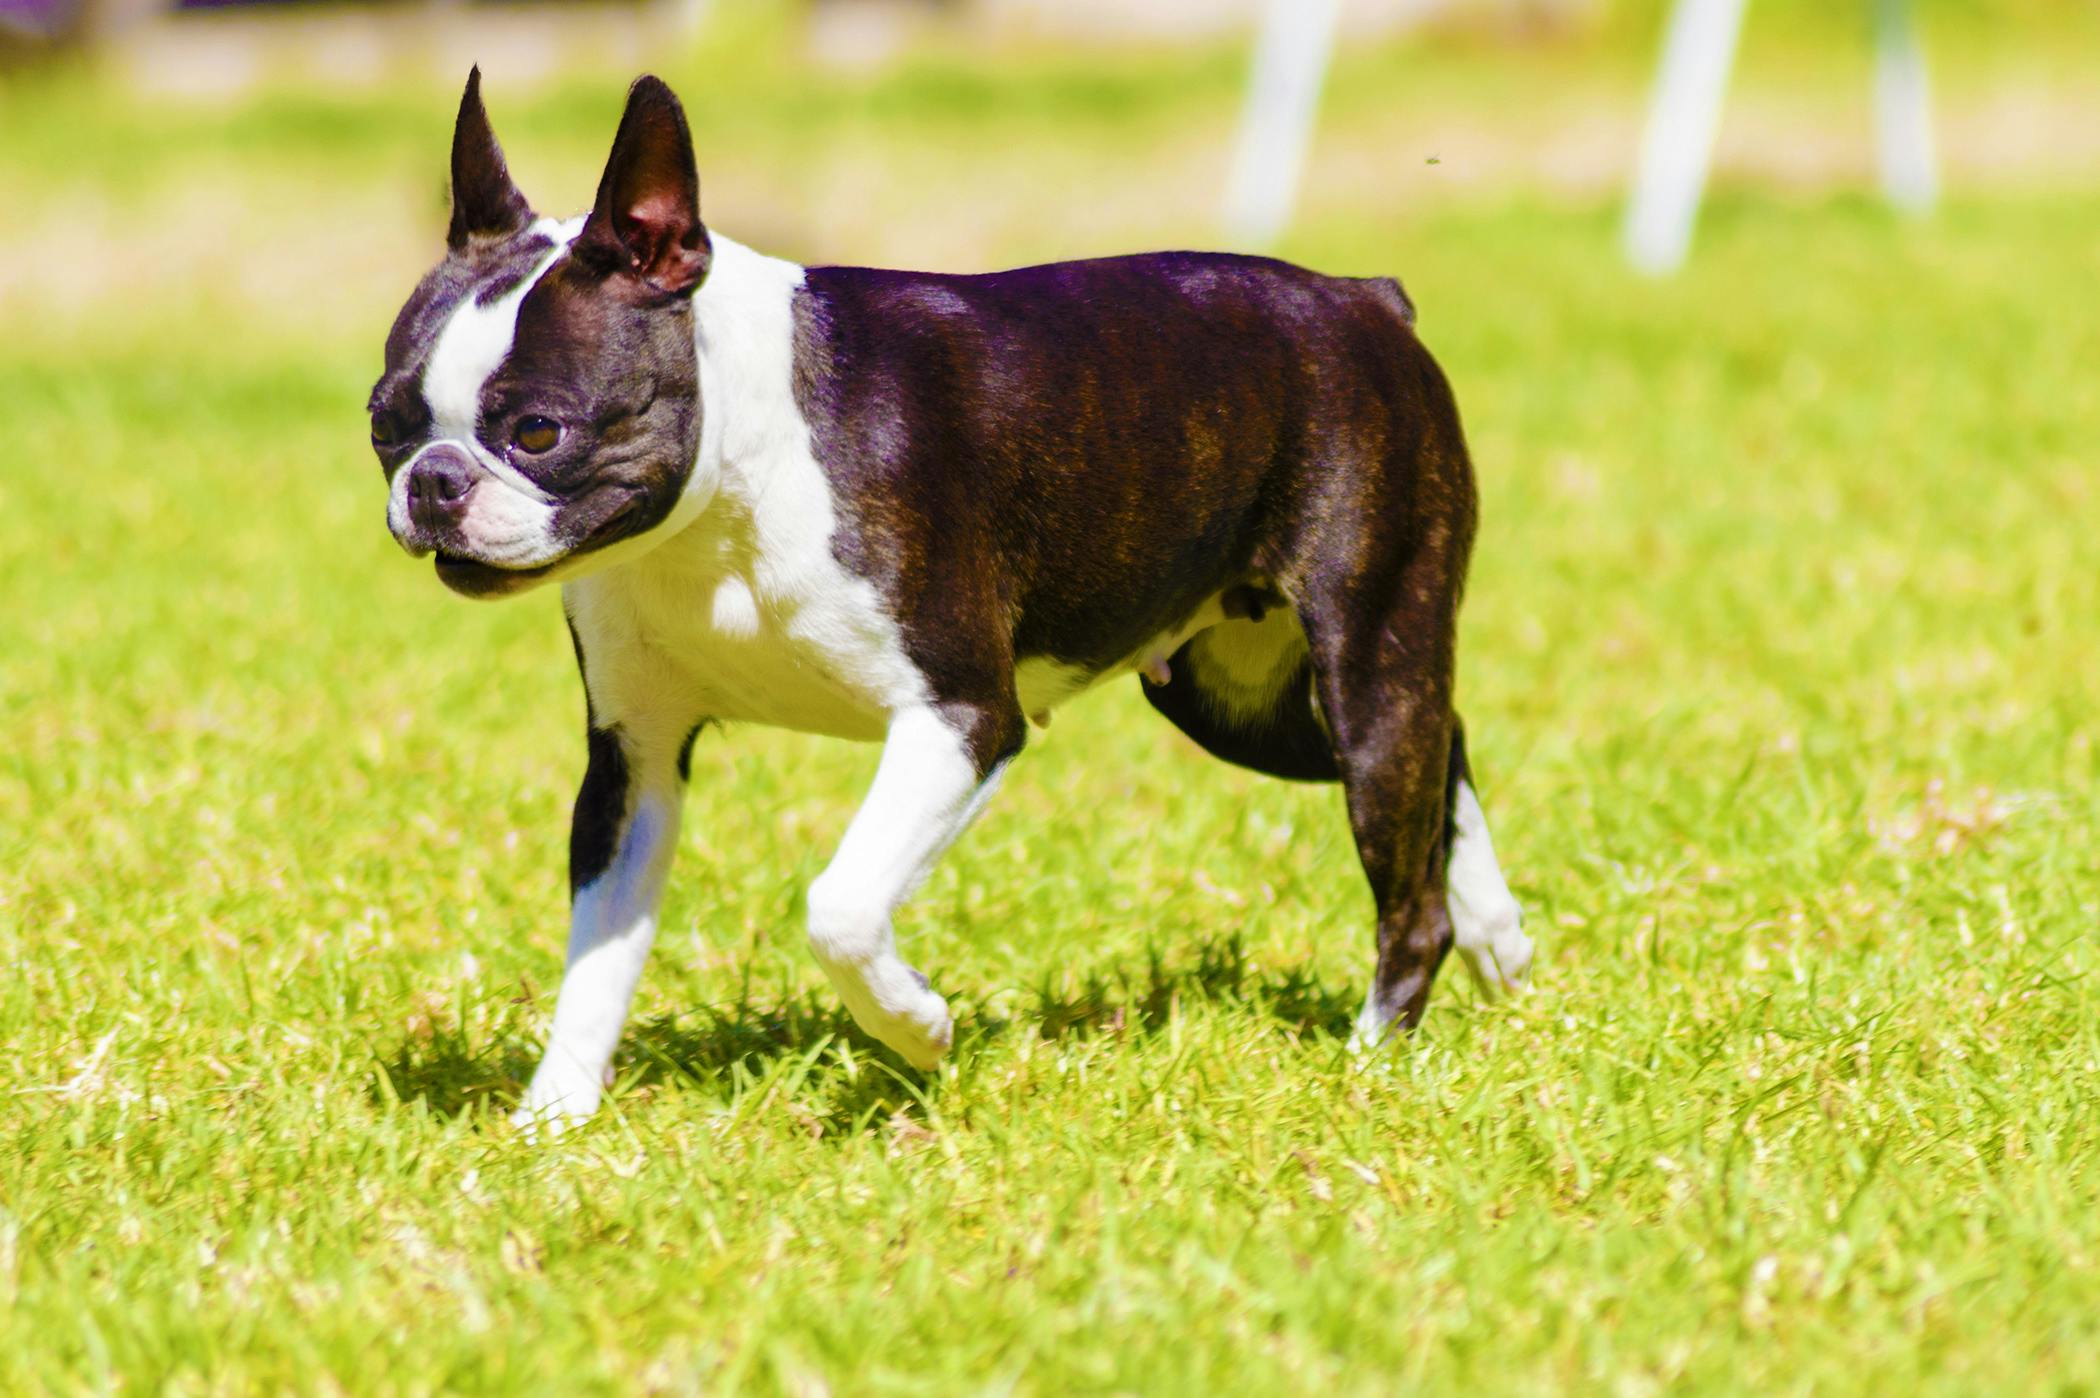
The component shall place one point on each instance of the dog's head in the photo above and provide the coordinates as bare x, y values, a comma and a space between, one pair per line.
541, 400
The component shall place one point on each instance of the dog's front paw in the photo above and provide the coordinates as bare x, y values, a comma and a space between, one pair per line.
921, 1034
912, 1020
896, 1005
558, 1099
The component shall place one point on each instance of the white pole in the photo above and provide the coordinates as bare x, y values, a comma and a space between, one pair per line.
1903, 111
1683, 117
1283, 97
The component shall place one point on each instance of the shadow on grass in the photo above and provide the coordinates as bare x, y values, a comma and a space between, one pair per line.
452, 1072
1116, 1001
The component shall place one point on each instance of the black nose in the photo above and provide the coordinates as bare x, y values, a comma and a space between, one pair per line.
437, 490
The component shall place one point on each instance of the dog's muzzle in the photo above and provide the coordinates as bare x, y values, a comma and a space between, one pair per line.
431, 502
438, 487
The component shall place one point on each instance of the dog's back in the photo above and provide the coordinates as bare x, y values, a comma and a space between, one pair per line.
1095, 449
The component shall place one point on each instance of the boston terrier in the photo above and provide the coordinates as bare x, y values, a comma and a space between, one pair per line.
922, 510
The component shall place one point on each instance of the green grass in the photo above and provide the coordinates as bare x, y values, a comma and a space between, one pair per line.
1779, 668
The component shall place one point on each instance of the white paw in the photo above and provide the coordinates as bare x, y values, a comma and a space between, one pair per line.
914, 1021
559, 1098
923, 1035
1373, 1027
1500, 963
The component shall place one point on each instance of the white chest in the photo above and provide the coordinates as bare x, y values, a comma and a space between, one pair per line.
742, 619
743, 613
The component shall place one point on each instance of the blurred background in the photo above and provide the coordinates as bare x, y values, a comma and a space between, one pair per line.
1778, 667
1828, 477
1821, 496
222, 152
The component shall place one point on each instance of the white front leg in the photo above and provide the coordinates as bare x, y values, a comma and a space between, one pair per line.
630, 804
927, 790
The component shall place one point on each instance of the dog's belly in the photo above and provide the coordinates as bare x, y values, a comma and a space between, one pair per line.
1042, 682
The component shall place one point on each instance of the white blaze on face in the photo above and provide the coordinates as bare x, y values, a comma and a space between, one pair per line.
509, 520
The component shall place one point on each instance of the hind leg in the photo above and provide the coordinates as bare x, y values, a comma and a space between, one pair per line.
1396, 813
1486, 921
1385, 687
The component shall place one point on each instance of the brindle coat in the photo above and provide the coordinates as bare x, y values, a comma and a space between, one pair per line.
1241, 478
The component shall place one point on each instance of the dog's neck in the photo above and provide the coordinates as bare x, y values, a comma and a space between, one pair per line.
750, 426
744, 333
755, 504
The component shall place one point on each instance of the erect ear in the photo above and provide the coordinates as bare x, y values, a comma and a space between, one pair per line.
485, 204
646, 223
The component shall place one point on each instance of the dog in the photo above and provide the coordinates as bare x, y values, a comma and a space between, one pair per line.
922, 510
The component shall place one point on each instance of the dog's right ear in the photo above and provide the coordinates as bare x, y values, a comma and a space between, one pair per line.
485, 204
646, 223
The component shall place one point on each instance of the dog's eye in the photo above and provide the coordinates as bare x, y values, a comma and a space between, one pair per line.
536, 434
386, 429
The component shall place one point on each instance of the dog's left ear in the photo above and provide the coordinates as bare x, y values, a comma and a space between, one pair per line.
646, 223
485, 203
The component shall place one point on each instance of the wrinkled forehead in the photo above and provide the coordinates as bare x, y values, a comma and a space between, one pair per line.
459, 295
481, 277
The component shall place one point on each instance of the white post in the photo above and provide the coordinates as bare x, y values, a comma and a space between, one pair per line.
1903, 111
1683, 117
1283, 97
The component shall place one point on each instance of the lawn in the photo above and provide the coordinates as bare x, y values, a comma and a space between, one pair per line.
1777, 687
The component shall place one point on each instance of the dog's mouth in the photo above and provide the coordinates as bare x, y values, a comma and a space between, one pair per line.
473, 577
470, 577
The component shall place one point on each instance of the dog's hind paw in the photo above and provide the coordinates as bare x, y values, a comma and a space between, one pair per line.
1500, 962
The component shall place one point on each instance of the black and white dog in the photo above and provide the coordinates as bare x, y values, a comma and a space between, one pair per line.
923, 510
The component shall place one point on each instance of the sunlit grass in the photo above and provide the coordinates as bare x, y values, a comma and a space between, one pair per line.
1779, 674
